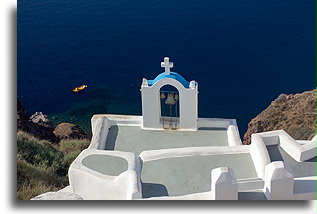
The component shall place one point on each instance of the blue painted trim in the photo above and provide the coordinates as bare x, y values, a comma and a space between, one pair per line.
173, 75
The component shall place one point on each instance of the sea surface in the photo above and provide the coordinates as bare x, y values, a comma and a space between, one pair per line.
242, 53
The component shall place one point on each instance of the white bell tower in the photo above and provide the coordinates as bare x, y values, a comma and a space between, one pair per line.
184, 98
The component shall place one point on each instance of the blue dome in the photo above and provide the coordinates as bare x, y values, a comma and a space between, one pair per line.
173, 75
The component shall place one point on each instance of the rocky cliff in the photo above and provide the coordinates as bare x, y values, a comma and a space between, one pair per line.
294, 113
69, 131
24, 123
39, 126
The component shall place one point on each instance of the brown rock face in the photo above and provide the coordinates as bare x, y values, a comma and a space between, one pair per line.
69, 131
294, 113
38, 130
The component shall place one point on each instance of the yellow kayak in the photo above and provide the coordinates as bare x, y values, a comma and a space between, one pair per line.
80, 88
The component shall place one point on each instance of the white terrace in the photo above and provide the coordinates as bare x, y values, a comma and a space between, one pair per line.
169, 153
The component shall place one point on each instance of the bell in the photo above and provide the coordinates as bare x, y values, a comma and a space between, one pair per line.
176, 97
170, 99
162, 95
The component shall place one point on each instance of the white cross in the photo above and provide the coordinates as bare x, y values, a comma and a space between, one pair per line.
167, 65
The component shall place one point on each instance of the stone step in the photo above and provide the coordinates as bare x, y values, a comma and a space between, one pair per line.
256, 194
250, 184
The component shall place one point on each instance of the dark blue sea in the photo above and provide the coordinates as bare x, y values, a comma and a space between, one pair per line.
242, 53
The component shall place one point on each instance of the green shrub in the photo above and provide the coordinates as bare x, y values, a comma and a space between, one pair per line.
71, 149
69, 146
69, 158
39, 178
30, 191
30, 174
35, 151
42, 166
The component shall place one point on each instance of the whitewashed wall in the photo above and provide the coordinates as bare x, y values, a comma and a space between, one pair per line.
92, 185
151, 106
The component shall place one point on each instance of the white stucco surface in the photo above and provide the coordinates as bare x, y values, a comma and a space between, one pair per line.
299, 169
279, 181
223, 187
224, 184
94, 183
57, 196
280, 184
126, 131
138, 157
151, 106
134, 139
300, 151
105, 164
176, 165
176, 176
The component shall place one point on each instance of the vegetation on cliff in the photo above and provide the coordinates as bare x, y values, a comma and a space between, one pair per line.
42, 166
44, 153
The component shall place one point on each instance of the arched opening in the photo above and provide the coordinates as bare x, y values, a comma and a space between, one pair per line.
169, 100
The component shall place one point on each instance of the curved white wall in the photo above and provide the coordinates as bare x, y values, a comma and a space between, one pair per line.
93, 185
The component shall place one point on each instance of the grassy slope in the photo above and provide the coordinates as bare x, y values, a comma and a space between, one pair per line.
43, 166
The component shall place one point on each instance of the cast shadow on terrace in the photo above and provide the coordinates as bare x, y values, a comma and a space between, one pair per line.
153, 190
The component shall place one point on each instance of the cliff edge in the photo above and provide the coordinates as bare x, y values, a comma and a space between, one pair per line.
40, 126
294, 113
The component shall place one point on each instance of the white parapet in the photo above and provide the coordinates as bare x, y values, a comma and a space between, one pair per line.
279, 181
299, 150
102, 123
100, 128
259, 154
151, 155
233, 136
224, 184
89, 178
